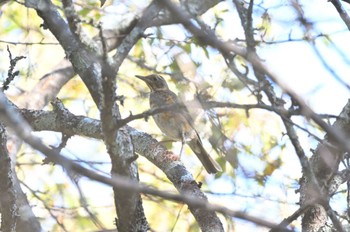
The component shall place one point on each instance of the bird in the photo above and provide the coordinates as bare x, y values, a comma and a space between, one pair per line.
176, 124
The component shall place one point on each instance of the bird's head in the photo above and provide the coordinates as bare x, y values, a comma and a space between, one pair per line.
154, 82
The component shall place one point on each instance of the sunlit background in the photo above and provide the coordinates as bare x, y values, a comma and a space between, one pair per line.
313, 61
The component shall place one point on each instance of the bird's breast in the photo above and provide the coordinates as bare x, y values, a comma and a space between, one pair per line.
172, 123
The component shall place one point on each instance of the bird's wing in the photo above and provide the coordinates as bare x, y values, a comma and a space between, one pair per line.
168, 98
182, 110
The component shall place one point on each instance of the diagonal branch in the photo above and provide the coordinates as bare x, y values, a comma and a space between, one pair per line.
84, 61
206, 36
10, 116
48, 87
342, 12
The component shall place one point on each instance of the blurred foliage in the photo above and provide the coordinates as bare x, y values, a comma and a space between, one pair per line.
251, 141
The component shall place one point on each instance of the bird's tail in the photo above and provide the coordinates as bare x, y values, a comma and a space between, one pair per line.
209, 164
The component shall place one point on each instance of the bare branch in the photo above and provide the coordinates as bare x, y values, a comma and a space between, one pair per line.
19, 125
206, 36
342, 12
8, 203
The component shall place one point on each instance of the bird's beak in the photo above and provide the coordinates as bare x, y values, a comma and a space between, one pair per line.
145, 79
142, 78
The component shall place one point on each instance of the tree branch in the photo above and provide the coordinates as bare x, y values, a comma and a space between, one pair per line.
206, 36
8, 202
342, 12
189, 195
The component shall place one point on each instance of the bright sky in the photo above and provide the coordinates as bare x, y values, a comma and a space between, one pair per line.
298, 65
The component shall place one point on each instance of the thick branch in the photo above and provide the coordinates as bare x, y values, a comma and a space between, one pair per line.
342, 12
186, 184
8, 202
84, 62
324, 163
48, 87
124, 164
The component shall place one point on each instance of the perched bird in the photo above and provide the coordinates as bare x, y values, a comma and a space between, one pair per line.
176, 124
